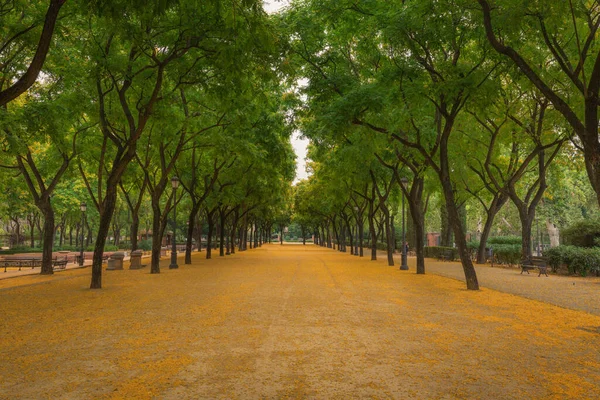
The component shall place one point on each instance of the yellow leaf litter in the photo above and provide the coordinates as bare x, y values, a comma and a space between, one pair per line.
287, 321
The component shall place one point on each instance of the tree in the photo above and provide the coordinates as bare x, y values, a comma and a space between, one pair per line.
563, 63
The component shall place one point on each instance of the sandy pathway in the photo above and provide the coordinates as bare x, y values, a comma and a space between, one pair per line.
288, 322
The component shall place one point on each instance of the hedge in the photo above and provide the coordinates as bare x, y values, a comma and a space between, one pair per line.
584, 233
501, 240
507, 253
439, 251
579, 260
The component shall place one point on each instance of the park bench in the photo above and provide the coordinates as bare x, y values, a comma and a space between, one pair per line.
59, 264
14, 262
535, 262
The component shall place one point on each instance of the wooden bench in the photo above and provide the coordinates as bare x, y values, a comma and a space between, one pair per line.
14, 262
535, 262
59, 264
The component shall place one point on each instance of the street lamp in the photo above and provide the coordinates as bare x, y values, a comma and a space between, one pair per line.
173, 265
404, 265
82, 207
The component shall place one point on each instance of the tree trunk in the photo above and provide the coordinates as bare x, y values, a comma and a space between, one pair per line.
388, 235
393, 232
526, 219
372, 231
360, 235
48, 241
221, 232
110, 202
31, 234
416, 210
156, 237
209, 236
133, 232
454, 219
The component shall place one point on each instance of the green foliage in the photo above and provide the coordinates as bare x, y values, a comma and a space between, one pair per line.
440, 252
507, 253
67, 247
579, 260
145, 245
560, 255
21, 249
107, 247
583, 233
503, 240
473, 245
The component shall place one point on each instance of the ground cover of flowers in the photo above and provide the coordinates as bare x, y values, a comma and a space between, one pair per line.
287, 322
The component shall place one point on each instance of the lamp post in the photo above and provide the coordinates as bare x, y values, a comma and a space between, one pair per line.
82, 207
404, 265
173, 265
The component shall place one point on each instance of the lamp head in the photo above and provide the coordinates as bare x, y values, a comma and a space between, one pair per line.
175, 182
83, 206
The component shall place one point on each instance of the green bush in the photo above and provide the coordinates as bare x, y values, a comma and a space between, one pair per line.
145, 245
67, 247
584, 233
502, 240
107, 247
439, 251
21, 249
579, 260
473, 245
560, 255
507, 253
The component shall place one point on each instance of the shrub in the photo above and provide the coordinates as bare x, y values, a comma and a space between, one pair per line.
21, 249
507, 253
500, 240
473, 245
560, 255
579, 260
586, 260
67, 247
107, 247
145, 245
439, 251
584, 233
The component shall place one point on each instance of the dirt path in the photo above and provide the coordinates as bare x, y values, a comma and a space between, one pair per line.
575, 293
287, 322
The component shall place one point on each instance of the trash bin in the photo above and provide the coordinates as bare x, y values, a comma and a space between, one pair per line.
163, 251
136, 260
115, 261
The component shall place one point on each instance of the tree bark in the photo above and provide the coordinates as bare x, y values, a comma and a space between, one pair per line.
48, 241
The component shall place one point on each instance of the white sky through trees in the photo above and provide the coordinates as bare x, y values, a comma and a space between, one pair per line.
299, 145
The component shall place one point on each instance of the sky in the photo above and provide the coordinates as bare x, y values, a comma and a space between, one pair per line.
299, 145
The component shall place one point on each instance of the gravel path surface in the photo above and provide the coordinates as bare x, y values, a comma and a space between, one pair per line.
288, 322
573, 292
576, 293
